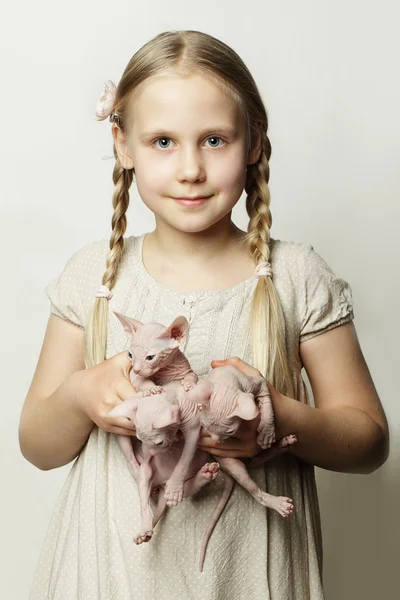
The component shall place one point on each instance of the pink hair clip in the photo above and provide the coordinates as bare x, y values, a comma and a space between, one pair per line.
106, 103
263, 269
104, 292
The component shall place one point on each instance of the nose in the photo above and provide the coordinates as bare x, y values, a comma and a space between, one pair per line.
191, 167
136, 371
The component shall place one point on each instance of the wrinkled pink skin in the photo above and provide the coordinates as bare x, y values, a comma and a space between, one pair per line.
226, 397
152, 466
159, 366
168, 401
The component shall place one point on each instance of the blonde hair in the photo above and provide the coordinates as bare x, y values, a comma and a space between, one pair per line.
186, 52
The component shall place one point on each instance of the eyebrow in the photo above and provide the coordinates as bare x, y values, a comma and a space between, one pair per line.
225, 130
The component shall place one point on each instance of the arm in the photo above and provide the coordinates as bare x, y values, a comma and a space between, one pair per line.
347, 430
51, 431
65, 400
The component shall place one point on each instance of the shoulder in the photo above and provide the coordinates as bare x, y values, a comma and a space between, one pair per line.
290, 257
298, 256
92, 256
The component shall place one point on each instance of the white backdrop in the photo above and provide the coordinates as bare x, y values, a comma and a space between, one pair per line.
328, 74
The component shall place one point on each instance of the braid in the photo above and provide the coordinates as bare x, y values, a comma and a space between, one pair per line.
267, 319
96, 338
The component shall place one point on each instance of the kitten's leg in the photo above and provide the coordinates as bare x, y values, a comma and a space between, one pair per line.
125, 443
237, 469
160, 508
207, 473
266, 428
146, 386
189, 381
175, 484
144, 486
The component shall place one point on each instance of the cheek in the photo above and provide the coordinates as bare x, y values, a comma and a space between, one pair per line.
151, 175
228, 175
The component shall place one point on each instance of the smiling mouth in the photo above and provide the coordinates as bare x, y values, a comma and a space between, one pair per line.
197, 201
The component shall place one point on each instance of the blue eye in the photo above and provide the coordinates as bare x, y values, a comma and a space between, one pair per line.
166, 145
163, 139
215, 137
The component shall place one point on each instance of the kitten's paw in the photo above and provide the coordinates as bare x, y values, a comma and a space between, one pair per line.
287, 441
143, 536
173, 492
187, 385
157, 389
284, 506
209, 471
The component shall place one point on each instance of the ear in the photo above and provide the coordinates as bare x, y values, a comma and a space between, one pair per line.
168, 415
121, 147
176, 331
245, 408
129, 325
202, 394
256, 147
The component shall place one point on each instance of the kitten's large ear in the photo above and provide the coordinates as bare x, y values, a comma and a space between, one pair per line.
245, 408
176, 331
168, 415
130, 325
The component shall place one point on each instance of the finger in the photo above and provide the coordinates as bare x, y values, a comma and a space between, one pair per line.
125, 389
239, 364
223, 453
122, 431
121, 422
209, 443
123, 359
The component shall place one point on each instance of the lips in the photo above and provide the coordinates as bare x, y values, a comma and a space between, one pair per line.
192, 202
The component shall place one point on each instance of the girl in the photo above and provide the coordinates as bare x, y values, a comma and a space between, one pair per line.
189, 125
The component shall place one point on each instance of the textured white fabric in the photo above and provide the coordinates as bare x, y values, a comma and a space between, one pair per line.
253, 553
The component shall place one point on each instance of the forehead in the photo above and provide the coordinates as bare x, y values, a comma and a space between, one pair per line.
182, 103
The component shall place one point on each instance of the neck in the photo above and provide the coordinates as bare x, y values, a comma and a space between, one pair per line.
217, 241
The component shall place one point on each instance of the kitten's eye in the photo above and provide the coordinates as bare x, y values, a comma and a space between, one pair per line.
150, 357
129, 354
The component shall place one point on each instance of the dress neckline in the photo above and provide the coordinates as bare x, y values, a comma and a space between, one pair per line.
194, 294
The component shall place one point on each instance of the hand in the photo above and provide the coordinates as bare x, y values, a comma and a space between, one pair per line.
244, 444
239, 364
102, 387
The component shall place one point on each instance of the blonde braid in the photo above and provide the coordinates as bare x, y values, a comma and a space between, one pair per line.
96, 332
267, 319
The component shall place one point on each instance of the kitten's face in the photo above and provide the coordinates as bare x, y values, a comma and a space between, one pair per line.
153, 345
222, 431
157, 439
157, 422
148, 352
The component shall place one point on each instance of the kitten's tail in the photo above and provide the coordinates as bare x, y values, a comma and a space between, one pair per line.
226, 492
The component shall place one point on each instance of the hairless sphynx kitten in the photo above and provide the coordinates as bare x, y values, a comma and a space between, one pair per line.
168, 401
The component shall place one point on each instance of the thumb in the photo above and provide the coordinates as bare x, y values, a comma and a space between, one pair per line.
218, 363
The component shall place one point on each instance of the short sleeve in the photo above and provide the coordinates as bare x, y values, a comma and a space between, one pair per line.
72, 293
326, 300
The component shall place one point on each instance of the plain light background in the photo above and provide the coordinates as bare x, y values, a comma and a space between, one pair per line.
328, 74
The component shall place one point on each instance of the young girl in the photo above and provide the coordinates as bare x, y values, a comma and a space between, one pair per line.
189, 125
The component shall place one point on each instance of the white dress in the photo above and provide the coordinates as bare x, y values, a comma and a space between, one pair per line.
253, 553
